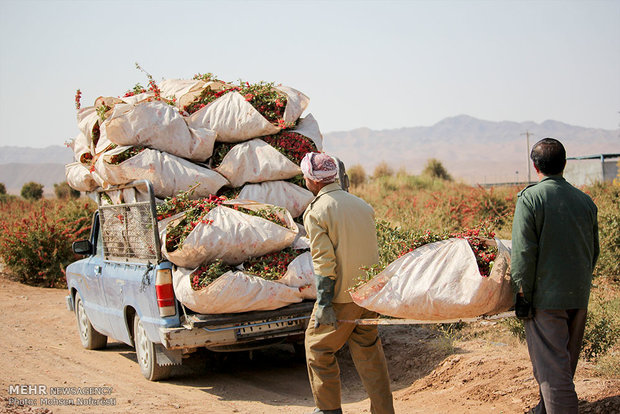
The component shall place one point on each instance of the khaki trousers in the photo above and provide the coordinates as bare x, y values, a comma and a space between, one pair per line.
366, 351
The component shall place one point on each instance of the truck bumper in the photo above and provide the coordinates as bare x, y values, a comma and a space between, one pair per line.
232, 335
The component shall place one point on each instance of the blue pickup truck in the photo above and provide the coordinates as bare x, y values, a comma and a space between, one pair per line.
122, 289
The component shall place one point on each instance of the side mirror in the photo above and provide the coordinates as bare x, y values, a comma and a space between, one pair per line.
82, 247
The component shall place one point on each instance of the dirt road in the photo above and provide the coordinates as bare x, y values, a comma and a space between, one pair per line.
39, 347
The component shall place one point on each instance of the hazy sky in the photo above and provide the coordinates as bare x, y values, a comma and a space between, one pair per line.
380, 65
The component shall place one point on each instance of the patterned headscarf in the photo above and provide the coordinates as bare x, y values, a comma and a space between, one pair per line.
319, 167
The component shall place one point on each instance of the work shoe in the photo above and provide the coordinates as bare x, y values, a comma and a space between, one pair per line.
319, 411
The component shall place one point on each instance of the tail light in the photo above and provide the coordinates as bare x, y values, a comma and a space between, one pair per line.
165, 292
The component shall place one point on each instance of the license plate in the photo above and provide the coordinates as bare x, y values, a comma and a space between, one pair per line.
258, 328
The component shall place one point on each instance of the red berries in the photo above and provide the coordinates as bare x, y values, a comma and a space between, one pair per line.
78, 97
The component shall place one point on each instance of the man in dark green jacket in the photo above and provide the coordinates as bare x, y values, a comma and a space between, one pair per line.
554, 249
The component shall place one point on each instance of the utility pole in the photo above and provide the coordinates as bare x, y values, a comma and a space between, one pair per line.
527, 134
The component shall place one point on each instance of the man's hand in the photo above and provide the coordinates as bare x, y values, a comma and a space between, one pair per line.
325, 314
523, 308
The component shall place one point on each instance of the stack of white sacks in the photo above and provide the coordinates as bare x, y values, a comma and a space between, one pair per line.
176, 158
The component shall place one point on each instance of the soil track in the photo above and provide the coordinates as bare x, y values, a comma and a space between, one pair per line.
39, 346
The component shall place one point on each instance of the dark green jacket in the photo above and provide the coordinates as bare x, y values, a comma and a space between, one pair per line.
554, 244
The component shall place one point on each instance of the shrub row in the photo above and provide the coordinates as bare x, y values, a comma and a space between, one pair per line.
36, 238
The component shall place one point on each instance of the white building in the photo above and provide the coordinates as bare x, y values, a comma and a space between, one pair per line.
591, 169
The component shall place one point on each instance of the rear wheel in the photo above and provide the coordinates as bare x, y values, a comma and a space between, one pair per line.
90, 338
145, 352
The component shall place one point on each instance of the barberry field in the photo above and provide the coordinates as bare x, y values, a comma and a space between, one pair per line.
477, 367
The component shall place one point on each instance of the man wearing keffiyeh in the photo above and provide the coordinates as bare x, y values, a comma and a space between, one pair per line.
343, 239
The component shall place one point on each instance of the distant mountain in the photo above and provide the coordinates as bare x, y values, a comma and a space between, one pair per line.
14, 176
471, 149
58, 154
19, 165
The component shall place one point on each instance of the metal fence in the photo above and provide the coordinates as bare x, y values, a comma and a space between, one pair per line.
129, 229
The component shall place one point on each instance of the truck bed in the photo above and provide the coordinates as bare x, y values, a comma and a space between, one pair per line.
130, 259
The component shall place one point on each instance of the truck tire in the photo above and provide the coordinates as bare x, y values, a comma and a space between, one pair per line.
145, 352
90, 338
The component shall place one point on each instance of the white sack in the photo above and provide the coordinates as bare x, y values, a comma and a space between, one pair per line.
134, 99
308, 127
79, 177
302, 242
300, 274
81, 147
185, 91
439, 281
232, 292
107, 104
296, 103
88, 121
235, 119
176, 88
256, 161
101, 182
103, 144
159, 126
168, 174
231, 236
278, 193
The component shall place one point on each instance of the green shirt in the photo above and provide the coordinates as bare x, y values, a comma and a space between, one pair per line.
343, 237
554, 244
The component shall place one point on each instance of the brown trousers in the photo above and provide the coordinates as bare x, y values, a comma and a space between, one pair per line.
366, 351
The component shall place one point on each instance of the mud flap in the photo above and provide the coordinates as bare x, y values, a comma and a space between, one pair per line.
69, 303
168, 356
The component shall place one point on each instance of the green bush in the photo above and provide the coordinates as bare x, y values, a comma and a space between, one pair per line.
2, 188
516, 327
607, 199
63, 191
421, 182
602, 328
382, 170
36, 238
435, 169
5, 198
32, 191
357, 175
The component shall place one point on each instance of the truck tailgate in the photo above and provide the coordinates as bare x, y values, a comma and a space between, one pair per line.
293, 310
236, 329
